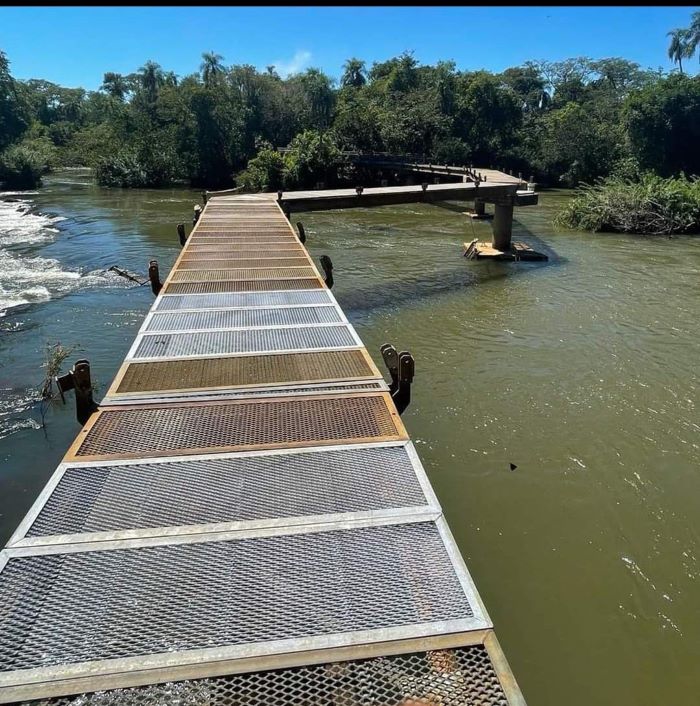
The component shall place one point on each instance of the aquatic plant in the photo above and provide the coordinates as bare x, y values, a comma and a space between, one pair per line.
55, 356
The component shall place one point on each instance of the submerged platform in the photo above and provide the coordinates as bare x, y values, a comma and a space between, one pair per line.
479, 250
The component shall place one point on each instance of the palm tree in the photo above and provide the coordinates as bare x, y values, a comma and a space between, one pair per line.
680, 47
353, 73
170, 79
115, 85
151, 76
694, 33
211, 67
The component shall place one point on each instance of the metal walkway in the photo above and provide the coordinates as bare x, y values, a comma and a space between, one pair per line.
245, 520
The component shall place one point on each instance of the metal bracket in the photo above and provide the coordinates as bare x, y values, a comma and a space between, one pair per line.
407, 369
391, 360
302, 232
401, 367
78, 379
154, 276
327, 266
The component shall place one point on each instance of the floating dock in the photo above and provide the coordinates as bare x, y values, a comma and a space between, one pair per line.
244, 521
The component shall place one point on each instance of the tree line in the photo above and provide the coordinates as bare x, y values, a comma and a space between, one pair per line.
565, 122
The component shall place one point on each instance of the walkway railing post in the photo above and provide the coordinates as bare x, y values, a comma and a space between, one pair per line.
154, 276
327, 266
78, 379
181, 233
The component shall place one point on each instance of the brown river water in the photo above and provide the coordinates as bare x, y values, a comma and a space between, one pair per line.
582, 372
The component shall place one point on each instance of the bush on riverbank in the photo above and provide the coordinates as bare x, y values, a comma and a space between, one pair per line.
21, 167
649, 205
131, 168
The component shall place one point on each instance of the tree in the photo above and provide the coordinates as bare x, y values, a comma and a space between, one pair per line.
115, 85
680, 47
211, 67
151, 79
353, 73
694, 33
14, 110
662, 122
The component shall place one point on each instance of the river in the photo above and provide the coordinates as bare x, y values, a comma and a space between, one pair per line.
582, 373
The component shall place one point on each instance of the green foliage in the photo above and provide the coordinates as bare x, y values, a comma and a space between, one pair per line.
566, 121
650, 204
265, 172
663, 125
312, 157
14, 108
21, 167
577, 146
150, 165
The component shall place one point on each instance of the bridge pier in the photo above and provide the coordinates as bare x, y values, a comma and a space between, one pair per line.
502, 226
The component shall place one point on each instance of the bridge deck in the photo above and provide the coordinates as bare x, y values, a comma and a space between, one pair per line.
244, 520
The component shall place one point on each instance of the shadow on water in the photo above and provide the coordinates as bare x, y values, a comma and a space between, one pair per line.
460, 274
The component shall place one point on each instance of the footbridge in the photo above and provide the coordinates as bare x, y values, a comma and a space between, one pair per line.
244, 520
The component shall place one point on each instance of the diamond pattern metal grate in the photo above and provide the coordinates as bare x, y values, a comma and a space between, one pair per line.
245, 370
170, 345
68, 608
243, 318
223, 301
307, 421
242, 286
190, 492
463, 676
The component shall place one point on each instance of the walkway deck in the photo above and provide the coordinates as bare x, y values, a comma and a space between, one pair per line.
327, 199
245, 520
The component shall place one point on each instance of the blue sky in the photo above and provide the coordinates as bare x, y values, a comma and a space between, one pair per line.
74, 46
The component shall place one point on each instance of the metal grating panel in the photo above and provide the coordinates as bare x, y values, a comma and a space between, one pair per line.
266, 242
306, 421
243, 318
233, 299
242, 263
131, 602
263, 285
463, 676
171, 345
245, 370
241, 249
257, 273
241, 488
221, 254
250, 234
203, 395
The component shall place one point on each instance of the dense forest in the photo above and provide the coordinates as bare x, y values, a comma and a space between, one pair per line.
565, 122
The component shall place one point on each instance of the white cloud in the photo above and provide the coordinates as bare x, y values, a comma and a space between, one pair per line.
297, 63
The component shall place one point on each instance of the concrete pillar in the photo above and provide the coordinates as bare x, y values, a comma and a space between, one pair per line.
502, 227
479, 207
